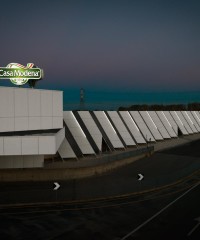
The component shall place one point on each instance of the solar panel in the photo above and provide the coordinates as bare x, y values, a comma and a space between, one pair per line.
151, 125
189, 121
77, 132
196, 117
108, 129
166, 123
91, 127
159, 124
142, 126
185, 123
131, 125
122, 130
178, 121
193, 120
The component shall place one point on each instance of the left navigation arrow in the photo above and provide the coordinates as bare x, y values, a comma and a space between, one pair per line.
57, 186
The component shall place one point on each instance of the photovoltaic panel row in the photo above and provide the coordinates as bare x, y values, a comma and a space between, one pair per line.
92, 128
198, 114
171, 121
142, 126
77, 133
166, 123
189, 121
178, 122
108, 129
119, 125
151, 125
131, 125
196, 117
159, 125
194, 121
184, 122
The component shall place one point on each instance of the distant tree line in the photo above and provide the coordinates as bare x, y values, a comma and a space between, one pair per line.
160, 107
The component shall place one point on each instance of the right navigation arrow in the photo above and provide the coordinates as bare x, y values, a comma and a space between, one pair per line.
140, 177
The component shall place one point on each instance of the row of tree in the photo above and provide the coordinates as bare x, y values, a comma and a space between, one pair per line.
160, 107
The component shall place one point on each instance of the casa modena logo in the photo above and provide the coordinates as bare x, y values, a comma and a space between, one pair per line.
19, 74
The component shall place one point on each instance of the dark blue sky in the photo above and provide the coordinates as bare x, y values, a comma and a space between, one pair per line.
122, 45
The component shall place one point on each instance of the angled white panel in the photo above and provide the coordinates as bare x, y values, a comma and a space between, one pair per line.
189, 121
92, 128
178, 121
46, 103
12, 146
108, 129
21, 124
142, 126
34, 123
7, 124
166, 123
159, 125
57, 104
21, 102
60, 135
196, 116
119, 125
65, 150
171, 121
132, 127
151, 125
193, 120
185, 124
30, 145
77, 133
34, 109
6, 102
47, 145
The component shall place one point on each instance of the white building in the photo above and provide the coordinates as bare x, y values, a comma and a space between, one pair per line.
31, 126
34, 127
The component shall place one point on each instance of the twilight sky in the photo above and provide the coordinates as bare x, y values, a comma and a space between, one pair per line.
127, 44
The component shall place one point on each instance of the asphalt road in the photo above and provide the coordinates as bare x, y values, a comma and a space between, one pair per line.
172, 213
162, 168
168, 213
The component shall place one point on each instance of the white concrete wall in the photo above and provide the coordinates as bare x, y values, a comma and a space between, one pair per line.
31, 145
22, 161
23, 109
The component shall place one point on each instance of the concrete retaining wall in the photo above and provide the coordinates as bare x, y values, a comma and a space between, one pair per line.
117, 160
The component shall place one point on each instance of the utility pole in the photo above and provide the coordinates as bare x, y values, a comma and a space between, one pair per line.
82, 99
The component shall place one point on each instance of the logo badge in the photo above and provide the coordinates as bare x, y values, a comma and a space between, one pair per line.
19, 74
